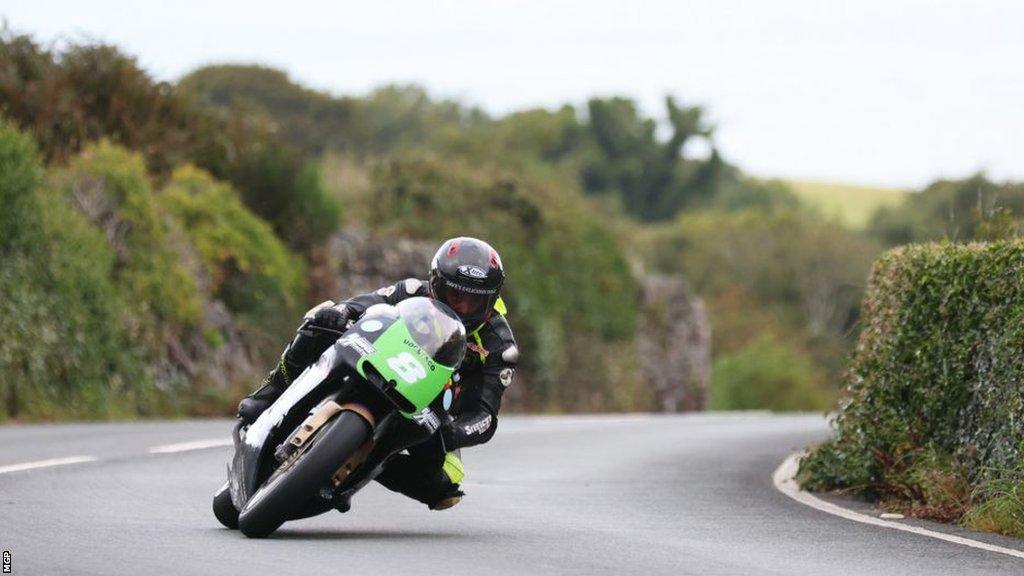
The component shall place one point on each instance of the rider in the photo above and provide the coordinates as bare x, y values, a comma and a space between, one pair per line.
467, 275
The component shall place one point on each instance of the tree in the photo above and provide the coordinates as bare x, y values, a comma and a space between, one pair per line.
653, 177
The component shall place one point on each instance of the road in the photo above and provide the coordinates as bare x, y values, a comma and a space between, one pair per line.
549, 495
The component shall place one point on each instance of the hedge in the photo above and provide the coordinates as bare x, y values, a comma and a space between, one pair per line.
936, 386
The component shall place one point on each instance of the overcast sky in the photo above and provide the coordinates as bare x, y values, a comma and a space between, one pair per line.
888, 92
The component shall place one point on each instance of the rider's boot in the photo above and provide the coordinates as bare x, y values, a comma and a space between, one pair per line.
448, 493
275, 383
448, 499
303, 350
424, 481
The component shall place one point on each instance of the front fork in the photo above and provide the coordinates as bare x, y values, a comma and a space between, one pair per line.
317, 419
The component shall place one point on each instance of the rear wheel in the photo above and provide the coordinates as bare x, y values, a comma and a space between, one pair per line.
298, 481
224, 509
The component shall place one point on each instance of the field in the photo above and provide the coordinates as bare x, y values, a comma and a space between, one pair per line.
851, 204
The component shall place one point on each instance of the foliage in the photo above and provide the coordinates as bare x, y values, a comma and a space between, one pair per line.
396, 117
286, 191
960, 210
781, 282
111, 187
937, 370
740, 193
101, 310
92, 91
613, 151
247, 265
388, 119
767, 374
802, 272
64, 350
652, 177
1001, 507
307, 120
88, 92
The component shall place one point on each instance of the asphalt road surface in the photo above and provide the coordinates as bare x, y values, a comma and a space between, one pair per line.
549, 495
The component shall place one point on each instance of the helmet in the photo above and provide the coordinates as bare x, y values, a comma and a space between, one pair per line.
466, 274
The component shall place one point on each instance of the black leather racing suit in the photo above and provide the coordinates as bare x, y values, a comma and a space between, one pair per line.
486, 371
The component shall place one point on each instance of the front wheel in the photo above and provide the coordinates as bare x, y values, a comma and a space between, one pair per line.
224, 509
301, 479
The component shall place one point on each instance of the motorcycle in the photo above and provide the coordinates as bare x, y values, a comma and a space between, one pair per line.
384, 385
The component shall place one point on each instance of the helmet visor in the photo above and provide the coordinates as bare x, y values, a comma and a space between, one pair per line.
463, 303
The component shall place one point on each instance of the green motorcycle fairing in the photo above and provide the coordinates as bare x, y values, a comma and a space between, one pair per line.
419, 345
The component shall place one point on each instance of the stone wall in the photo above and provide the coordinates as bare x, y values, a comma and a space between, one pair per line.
365, 264
674, 344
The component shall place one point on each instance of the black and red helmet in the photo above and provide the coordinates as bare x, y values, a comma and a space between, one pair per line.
466, 274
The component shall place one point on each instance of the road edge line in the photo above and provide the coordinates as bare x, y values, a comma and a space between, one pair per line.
46, 463
189, 446
785, 482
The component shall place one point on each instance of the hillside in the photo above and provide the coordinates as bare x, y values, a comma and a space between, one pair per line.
853, 205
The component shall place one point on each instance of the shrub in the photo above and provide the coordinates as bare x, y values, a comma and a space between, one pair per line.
89, 92
64, 347
767, 374
247, 265
938, 371
110, 186
20, 174
287, 192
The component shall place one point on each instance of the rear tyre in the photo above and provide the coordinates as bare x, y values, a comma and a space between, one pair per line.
298, 482
224, 509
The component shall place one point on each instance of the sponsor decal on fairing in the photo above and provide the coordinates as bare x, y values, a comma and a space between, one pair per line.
358, 343
427, 419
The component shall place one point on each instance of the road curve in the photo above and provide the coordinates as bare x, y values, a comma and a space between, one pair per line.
549, 495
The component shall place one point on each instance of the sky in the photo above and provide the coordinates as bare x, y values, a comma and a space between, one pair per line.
877, 92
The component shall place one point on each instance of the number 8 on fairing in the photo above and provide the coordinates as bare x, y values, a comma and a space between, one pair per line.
407, 367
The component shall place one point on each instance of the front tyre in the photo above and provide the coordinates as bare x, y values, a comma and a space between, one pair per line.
224, 509
300, 480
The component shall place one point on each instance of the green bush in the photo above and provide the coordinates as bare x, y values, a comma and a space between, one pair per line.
111, 187
87, 92
767, 374
64, 348
247, 265
938, 370
20, 174
287, 192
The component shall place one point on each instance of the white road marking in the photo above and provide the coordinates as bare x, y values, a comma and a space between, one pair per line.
785, 483
186, 446
46, 463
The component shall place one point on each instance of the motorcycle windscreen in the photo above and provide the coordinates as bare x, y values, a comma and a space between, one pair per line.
420, 353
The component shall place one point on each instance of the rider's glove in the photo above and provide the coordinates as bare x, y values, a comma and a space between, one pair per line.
332, 318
